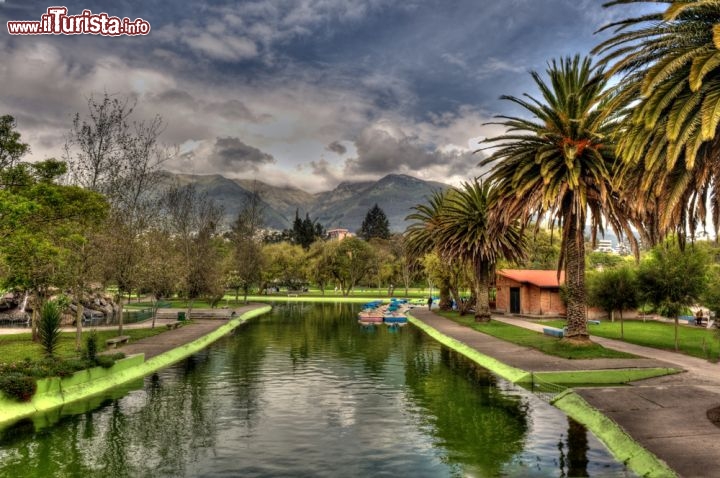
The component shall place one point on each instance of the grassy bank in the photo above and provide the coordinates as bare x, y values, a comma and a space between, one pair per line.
18, 347
535, 340
696, 341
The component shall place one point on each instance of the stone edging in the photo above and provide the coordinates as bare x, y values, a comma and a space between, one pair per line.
620, 444
54, 392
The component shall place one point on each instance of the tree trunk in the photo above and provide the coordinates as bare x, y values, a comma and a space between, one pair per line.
121, 318
482, 291
78, 322
34, 323
575, 283
677, 322
622, 326
445, 301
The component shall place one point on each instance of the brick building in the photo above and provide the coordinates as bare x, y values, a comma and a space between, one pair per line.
529, 292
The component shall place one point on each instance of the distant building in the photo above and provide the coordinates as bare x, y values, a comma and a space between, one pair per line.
529, 292
338, 234
604, 245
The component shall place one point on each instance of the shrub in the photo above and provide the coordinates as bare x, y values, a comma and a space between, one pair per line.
105, 361
50, 327
91, 346
18, 386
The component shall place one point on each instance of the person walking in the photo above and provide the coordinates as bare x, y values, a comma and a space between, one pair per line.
429, 302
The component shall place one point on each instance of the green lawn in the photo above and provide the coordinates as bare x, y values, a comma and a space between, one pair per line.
535, 340
18, 347
658, 335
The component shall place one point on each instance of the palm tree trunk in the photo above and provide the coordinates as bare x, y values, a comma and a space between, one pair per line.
575, 283
482, 291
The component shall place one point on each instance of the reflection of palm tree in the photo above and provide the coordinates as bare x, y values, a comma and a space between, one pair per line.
577, 446
476, 424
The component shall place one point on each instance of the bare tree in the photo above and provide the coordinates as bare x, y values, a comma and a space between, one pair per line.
193, 218
247, 258
122, 159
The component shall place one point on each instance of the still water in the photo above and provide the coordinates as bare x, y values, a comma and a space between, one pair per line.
306, 391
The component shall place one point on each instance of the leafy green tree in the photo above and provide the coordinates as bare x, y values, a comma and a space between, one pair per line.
601, 260
668, 91
49, 220
284, 265
559, 165
673, 279
11, 147
160, 266
451, 277
375, 224
319, 264
543, 250
614, 289
351, 261
407, 268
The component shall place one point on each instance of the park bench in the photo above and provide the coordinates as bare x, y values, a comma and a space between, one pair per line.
689, 318
173, 325
121, 339
552, 331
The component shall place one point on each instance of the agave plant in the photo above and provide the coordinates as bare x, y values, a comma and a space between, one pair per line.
49, 328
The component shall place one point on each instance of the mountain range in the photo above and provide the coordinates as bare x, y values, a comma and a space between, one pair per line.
343, 207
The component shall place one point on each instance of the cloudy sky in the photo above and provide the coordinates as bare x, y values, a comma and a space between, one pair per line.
301, 92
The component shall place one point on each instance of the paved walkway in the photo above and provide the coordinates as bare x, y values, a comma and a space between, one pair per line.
667, 415
157, 344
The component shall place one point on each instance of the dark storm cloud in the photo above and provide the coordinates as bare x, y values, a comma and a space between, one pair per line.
380, 152
296, 75
336, 147
231, 154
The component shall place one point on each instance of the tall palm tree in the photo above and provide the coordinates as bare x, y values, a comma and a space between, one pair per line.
559, 166
669, 93
469, 229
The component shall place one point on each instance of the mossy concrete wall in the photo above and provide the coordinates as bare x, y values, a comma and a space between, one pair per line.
56, 394
620, 444
507, 372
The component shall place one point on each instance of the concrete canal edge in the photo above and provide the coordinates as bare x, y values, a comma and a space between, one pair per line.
620, 444
53, 393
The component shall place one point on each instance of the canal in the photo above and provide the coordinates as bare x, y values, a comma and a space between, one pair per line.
307, 391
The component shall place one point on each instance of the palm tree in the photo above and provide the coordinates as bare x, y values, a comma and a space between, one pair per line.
469, 229
669, 94
421, 235
559, 165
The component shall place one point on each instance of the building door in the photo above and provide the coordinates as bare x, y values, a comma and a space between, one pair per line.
514, 300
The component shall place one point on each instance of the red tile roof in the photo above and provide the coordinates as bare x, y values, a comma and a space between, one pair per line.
543, 279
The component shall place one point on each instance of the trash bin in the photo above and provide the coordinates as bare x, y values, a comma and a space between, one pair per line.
181, 316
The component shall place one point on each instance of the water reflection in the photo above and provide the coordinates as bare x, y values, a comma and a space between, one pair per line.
309, 392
